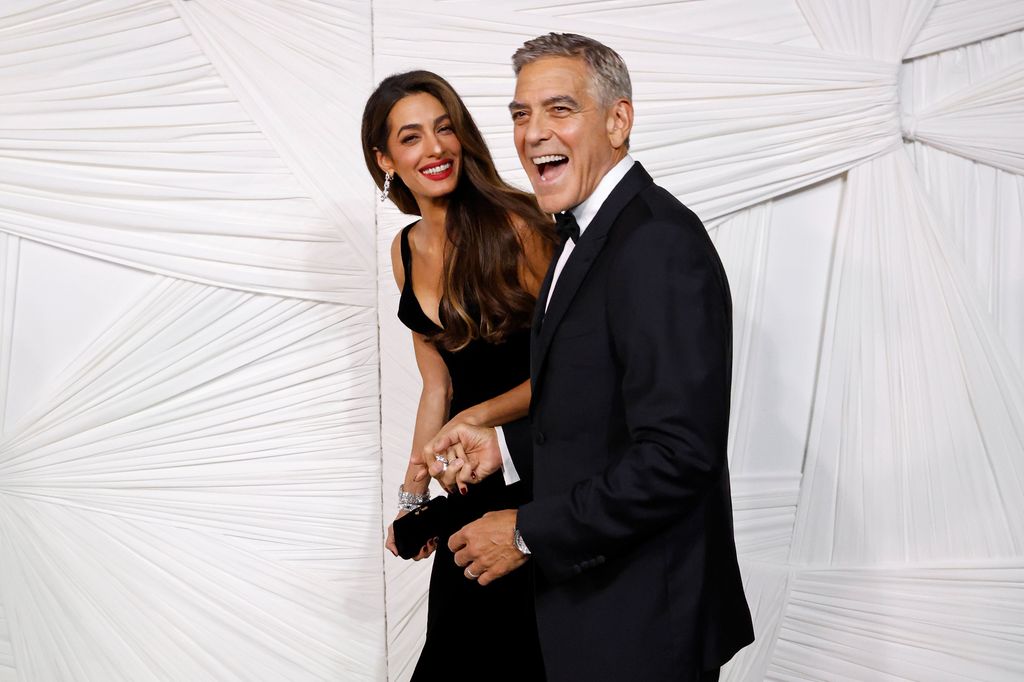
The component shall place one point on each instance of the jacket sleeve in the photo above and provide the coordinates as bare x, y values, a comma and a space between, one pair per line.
669, 317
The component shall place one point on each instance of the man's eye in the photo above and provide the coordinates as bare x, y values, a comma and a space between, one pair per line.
518, 115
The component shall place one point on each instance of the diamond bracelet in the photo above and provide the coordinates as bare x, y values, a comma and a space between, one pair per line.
411, 501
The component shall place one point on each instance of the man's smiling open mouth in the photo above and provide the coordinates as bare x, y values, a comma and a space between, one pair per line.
551, 166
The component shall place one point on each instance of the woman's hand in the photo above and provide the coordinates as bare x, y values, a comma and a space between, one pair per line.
425, 551
417, 469
469, 416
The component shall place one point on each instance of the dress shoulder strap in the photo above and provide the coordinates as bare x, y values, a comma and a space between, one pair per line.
406, 253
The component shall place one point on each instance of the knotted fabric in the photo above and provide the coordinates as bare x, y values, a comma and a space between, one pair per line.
566, 226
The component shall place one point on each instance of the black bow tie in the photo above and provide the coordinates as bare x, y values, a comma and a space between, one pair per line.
566, 226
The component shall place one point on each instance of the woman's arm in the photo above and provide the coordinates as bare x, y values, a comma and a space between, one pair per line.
435, 396
501, 409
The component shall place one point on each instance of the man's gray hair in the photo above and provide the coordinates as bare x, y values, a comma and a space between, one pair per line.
608, 74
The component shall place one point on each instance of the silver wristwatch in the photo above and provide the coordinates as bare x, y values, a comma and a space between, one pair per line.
517, 540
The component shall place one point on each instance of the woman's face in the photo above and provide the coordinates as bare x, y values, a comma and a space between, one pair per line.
422, 148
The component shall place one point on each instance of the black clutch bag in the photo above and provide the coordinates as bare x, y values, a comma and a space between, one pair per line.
430, 520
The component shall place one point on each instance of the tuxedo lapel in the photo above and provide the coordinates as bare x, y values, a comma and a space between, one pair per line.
576, 268
545, 288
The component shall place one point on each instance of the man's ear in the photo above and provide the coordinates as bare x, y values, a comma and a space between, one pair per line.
620, 122
383, 162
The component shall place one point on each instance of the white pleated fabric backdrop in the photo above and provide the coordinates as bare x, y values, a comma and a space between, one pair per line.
206, 399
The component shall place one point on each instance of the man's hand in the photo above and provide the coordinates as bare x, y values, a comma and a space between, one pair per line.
471, 452
486, 549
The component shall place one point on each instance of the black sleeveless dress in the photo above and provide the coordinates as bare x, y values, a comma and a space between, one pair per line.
473, 632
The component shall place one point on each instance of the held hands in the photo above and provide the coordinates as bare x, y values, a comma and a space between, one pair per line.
461, 454
486, 547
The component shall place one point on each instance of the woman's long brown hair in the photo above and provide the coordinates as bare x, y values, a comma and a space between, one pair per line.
482, 265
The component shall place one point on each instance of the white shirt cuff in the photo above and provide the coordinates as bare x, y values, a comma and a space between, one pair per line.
508, 467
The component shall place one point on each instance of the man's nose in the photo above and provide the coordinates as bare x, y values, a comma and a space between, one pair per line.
537, 130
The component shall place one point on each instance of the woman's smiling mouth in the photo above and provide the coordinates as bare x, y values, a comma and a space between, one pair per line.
439, 170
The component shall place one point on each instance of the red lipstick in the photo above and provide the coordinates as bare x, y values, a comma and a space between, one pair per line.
441, 169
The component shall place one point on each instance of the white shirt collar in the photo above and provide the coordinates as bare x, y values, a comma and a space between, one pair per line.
588, 208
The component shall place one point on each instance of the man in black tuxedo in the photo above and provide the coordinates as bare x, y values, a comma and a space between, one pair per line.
630, 528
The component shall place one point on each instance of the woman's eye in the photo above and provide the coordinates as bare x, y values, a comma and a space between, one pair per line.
408, 139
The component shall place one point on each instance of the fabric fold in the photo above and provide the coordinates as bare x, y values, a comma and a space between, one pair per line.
879, 29
207, 462
980, 122
134, 151
722, 124
953, 23
941, 623
918, 423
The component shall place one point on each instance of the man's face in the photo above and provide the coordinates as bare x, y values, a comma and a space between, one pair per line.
566, 139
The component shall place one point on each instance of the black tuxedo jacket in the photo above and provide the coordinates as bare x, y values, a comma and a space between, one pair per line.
630, 526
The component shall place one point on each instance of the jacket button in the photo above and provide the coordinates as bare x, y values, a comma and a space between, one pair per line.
538, 438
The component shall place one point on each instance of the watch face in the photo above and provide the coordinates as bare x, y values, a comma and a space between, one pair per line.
517, 539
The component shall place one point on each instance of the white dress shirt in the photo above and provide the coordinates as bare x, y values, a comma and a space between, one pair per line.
584, 212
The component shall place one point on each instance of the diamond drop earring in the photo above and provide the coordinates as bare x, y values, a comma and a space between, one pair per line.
387, 187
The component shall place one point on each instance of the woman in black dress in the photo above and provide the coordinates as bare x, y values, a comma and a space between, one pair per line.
469, 271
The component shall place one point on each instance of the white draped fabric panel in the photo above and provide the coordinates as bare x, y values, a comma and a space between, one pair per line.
779, 22
195, 494
190, 475
8, 275
936, 624
207, 451
879, 29
981, 206
135, 150
9, 255
978, 121
294, 66
742, 242
915, 449
827, 112
953, 23
914, 454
